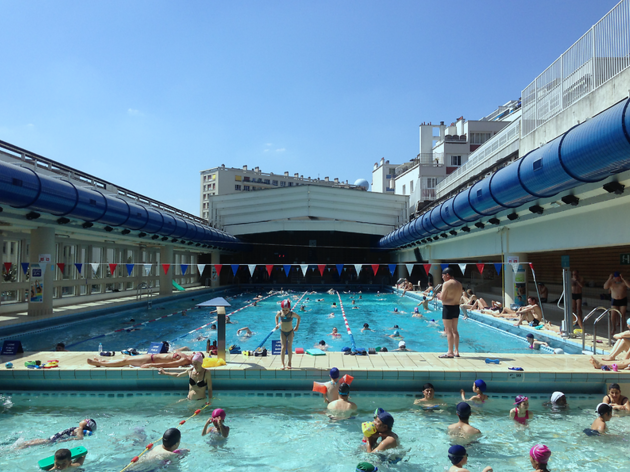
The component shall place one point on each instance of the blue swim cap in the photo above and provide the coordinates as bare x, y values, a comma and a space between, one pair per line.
463, 409
481, 385
395, 308
456, 454
334, 373
387, 419
396, 333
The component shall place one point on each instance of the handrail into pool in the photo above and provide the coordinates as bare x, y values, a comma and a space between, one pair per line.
584, 324
607, 312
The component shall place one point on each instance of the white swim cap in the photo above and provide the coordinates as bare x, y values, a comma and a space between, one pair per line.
558, 351
401, 344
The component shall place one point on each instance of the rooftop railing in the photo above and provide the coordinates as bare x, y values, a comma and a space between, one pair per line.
598, 56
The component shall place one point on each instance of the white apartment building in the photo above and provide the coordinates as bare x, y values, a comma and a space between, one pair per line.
443, 150
228, 180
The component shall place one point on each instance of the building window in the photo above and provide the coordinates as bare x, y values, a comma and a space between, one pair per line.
411, 186
290, 184
392, 171
456, 160
205, 177
246, 188
205, 196
479, 138
274, 182
246, 178
431, 182
238, 178
267, 181
404, 192
237, 187
283, 184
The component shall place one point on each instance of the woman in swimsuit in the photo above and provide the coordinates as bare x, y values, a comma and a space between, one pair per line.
284, 321
615, 398
199, 381
521, 413
171, 359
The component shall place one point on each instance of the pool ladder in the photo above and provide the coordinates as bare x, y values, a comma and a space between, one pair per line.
145, 288
606, 313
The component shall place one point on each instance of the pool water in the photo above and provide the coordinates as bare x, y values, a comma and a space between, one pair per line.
291, 432
318, 320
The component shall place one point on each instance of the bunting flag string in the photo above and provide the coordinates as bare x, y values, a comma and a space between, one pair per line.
234, 269
79, 267
462, 267
287, 269
498, 267
129, 268
218, 268
322, 268
112, 268
201, 268
409, 269
7, 266
165, 268
339, 268
304, 268
147, 269
427, 268
269, 269
375, 268
392, 268
358, 268
252, 268
515, 266
42, 267
444, 266
25, 267
184, 268
480, 268
94, 267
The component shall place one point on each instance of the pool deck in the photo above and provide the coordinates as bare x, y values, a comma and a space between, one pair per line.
393, 371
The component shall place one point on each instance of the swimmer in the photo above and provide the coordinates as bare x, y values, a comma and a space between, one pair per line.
539, 457
395, 309
332, 315
521, 413
319, 300
332, 386
228, 320
63, 460
335, 333
303, 308
402, 347
342, 404
395, 335
615, 399
168, 450
533, 344
558, 400
605, 413
384, 423
199, 380
334, 305
69, 434
213, 327
218, 427
255, 304
354, 302
245, 332
459, 458
396, 327
462, 428
60, 347
366, 327
432, 323
428, 390
355, 307
479, 388
322, 345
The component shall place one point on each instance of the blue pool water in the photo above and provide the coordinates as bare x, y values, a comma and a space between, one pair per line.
318, 320
291, 432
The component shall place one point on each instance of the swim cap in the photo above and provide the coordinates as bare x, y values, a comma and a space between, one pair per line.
520, 399
344, 389
386, 418
396, 309
396, 327
396, 333
558, 351
530, 336
463, 409
480, 384
540, 453
322, 343
616, 274
90, 424
197, 357
366, 467
603, 408
401, 344
219, 413
555, 396
378, 411
334, 373
285, 304
365, 325
456, 454
415, 310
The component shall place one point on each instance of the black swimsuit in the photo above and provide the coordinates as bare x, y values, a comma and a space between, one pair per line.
202, 383
623, 400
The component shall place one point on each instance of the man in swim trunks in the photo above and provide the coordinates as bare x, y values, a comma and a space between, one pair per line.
168, 450
462, 428
529, 313
451, 294
619, 294
384, 423
577, 283
343, 403
284, 321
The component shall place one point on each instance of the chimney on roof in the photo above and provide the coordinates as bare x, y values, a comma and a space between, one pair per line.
296, 175
286, 173
336, 180
245, 167
326, 179
257, 169
442, 123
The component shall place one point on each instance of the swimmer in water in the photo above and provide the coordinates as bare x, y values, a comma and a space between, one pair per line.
459, 458
303, 308
332, 315
218, 427
395, 335
428, 390
366, 327
335, 333
213, 327
322, 345
396, 327
533, 344
605, 412
354, 302
69, 434
334, 304
245, 332
521, 413
479, 388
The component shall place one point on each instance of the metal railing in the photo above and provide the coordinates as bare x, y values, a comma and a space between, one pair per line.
606, 312
483, 157
598, 56
144, 287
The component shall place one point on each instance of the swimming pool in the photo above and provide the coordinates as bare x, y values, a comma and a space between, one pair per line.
166, 322
290, 431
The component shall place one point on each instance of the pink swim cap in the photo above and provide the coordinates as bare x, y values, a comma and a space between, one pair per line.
220, 412
540, 453
197, 357
285, 303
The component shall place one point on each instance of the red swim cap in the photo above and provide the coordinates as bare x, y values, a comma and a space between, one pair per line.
285, 303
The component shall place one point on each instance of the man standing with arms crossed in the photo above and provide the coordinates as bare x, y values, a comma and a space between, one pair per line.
619, 295
451, 294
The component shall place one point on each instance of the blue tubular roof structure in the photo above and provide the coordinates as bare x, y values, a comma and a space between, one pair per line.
589, 152
22, 187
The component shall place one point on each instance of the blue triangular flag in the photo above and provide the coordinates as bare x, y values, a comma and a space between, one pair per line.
444, 266
392, 268
184, 268
498, 266
234, 268
339, 268
25, 267
79, 267
129, 268
287, 269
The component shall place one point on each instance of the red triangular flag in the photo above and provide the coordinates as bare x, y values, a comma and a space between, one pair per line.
61, 266
375, 268
322, 268
427, 268
218, 267
165, 268
480, 268
112, 268
7, 266
269, 269
531, 266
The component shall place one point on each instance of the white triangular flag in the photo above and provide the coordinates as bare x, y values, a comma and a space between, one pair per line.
94, 266
147, 269
409, 269
304, 268
515, 266
252, 268
462, 267
357, 267
201, 268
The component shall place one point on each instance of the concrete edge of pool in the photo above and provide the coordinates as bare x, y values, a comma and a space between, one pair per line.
386, 372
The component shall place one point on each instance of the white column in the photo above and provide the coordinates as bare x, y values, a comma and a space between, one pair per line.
515, 283
43, 242
166, 280
436, 272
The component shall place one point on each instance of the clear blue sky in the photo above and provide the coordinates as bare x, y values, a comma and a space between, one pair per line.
148, 93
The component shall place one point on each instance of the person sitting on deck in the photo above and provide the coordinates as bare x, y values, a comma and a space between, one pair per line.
621, 345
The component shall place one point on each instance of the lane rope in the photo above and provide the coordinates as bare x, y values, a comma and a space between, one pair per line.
343, 312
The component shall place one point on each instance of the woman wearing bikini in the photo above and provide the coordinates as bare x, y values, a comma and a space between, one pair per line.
170, 359
284, 321
199, 381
